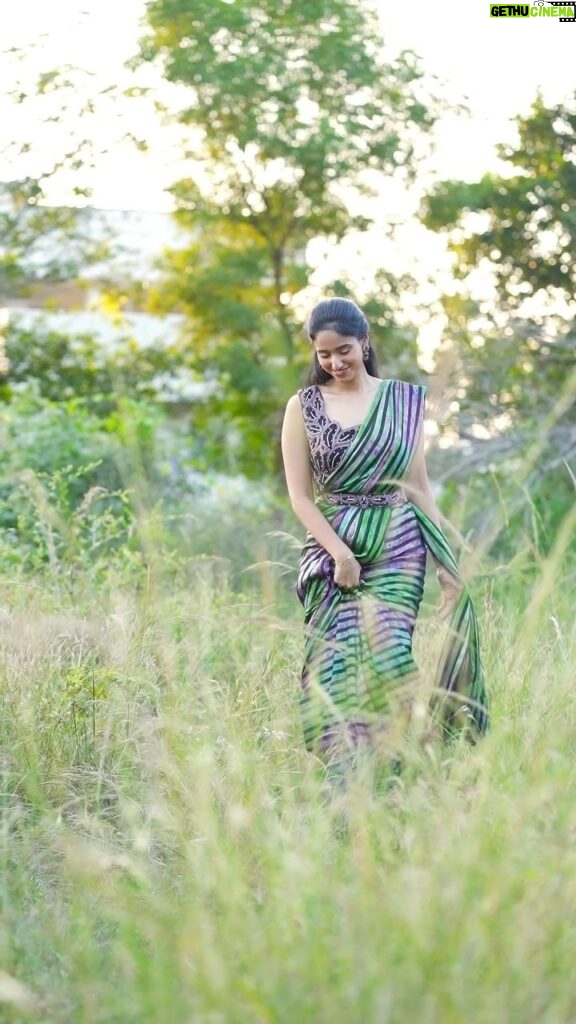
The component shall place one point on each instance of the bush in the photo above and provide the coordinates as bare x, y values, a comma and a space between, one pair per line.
121, 494
64, 479
63, 367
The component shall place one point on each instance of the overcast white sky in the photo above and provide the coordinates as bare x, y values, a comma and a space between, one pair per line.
498, 63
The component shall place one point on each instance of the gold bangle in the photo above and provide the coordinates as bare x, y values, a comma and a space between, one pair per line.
342, 560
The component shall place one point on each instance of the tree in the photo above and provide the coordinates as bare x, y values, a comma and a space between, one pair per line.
519, 346
528, 232
514, 354
294, 112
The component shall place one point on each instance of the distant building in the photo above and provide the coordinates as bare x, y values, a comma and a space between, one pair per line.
135, 241
76, 307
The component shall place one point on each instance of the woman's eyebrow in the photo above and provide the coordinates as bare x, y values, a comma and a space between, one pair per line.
345, 344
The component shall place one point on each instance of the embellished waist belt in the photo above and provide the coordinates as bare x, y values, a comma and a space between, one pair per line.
365, 500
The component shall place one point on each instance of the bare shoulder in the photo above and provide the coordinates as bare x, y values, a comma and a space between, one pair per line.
295, 444
293, 415
294, 402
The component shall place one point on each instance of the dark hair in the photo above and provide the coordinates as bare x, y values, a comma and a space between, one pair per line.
346, 318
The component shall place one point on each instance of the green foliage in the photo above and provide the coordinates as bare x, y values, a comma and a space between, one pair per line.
288, 107
63, 497
309, 88
518, 356
528, 231
512, 367
63, 367
47, 436
509, 362
509, 505
82, 494
73, 703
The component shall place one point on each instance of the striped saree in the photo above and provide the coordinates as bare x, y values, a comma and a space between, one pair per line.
358, 650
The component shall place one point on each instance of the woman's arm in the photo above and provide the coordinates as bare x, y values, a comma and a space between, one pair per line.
296, 455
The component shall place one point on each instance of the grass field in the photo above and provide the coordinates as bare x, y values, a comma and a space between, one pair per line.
170, 853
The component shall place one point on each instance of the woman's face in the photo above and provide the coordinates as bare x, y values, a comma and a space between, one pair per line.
339, 356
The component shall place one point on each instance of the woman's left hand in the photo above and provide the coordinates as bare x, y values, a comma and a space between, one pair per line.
451, 587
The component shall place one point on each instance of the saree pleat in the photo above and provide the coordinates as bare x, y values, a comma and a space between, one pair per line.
358, 647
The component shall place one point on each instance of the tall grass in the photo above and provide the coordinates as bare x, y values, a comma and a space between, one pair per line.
171, 854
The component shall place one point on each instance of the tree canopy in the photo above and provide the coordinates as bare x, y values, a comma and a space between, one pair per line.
528, 231
293, 109
518, 347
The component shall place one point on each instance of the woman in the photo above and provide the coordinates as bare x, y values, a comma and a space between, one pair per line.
354, 460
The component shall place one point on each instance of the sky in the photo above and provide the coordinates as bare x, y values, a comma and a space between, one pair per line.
495, 65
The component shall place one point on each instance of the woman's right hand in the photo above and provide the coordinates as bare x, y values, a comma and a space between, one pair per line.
347, 572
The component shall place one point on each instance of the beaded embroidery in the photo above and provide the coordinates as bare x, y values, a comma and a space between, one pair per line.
329, 442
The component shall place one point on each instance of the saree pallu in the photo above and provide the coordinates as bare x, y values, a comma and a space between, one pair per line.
358, 648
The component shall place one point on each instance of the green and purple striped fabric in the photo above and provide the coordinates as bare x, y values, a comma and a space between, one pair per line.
359, 643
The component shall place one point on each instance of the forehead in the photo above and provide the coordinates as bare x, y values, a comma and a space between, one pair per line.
327, 341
